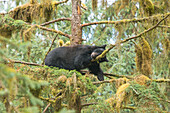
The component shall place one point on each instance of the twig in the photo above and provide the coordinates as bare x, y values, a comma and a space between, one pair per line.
88, 104
53, 21
46, 107
129, 107
106, 81
49, 49
163, 26
161, 80
124, 20
125, 40
110, 75
119, 76
57, 3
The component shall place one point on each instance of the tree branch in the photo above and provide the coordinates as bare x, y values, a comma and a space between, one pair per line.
125, 40
53, 30
57, 3
27, 63
49, 49
46, 108
56, 20
163, 26
106, 81
124, 20
88, 104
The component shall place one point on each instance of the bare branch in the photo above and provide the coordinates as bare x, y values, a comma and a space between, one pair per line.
106, 81
49, 49
88, 104
110, 75
27, 63
125, 20
125, 40
56, 20
46, 107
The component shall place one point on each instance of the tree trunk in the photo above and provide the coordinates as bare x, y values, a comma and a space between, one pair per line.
76, 23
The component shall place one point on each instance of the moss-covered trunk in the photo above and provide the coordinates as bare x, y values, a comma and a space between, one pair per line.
76, 29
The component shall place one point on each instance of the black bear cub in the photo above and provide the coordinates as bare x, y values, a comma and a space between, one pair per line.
77, 57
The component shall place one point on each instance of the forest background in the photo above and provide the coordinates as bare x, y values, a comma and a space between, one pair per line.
137, 36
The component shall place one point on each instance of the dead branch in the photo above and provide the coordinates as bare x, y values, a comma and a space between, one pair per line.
125, 20
125, 40
88, 104
110, 75
56, 20
46, 108
106, 81
49, 49
27, 63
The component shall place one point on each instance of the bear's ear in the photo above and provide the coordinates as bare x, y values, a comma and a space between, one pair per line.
103, 46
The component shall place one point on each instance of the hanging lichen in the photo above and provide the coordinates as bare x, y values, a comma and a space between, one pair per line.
34, 11
138, 58
94, 4
143, 57
9, 26
166, 46
147, 6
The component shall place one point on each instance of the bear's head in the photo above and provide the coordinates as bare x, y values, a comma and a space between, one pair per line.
97, 51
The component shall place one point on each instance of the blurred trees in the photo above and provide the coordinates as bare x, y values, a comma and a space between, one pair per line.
136, 76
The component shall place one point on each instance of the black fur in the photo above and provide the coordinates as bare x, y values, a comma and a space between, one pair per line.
77, 57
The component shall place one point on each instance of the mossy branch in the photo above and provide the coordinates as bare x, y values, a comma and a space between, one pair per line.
125, 40
53, 30
57, 3
126, 20
56, 20
163, 26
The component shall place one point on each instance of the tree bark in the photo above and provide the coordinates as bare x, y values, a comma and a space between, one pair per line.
76, 28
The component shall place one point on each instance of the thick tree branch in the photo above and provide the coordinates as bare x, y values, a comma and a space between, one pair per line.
56, 20
125, 20
125, 40
98, 82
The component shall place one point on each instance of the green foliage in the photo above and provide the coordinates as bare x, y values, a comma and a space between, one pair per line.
148, 95
14, 86
30, 88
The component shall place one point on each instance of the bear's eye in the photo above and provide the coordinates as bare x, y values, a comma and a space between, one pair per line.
99, 50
